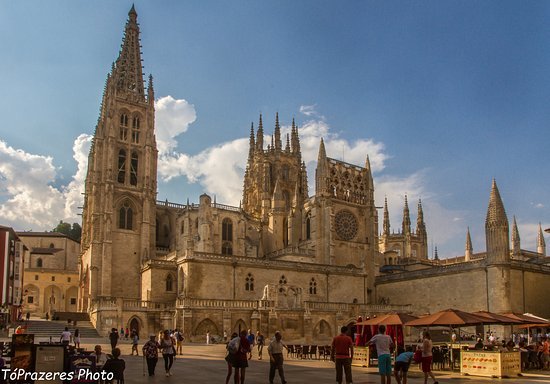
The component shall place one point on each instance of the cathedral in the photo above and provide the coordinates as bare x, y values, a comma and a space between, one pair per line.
282, 260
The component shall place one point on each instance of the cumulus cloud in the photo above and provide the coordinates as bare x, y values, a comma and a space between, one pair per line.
309, 110
28, 198
173, 117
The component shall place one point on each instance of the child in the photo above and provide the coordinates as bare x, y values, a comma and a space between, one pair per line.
402, 363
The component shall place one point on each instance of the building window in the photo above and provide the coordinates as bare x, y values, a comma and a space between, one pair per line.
123, 130
68, 279
30, 299
227, 248
125, 216
227, 230
169, 283
36, 277
285, 232
135, 130
121, 166
52, 246
312, 286
249, 284
73, 300
134, 169
53, 278
39, 263
227, 237
308, 226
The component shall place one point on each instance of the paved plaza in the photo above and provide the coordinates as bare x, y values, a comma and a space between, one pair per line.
202, 363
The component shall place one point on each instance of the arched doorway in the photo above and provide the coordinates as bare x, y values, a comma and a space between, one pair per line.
134, 325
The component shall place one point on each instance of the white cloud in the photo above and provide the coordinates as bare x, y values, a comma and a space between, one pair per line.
73, 192
26, 184
309, 110
173, 117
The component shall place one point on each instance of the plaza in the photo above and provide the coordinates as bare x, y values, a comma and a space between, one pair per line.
201, 363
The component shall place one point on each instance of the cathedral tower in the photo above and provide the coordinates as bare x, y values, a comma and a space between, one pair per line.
119, 205
275, 187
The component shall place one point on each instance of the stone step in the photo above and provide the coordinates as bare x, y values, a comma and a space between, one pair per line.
44, 328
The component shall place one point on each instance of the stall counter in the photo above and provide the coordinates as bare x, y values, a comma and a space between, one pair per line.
490, 363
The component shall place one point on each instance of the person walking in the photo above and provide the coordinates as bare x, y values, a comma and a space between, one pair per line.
76, 338
260, 340
341, 354
65, 338
207, 337
167, 344
275, 350
135, 340
151, 354
113, 338
116, 366
179, 342
383, 344
427, 358
241, 359
251, 340
230, 357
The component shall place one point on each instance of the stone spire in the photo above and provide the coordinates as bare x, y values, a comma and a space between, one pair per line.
278, 142
260, 136
150, 91
321, 172
469, 249
541, 244
420, 225
406, 226
127, 74
496, 229
287, 147
295, 139
516, 242
386, 223
251, 144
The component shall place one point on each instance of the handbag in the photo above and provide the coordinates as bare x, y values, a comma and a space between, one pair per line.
417, 357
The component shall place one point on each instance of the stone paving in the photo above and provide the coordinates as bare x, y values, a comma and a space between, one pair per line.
202, 363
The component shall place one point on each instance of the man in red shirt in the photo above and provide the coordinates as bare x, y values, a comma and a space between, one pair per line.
341, 354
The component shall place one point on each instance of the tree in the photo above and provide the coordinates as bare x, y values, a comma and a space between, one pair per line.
73, 232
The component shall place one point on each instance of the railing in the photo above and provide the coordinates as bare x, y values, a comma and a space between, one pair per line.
294, 251
226, 207
436, 270
194, 206
214, 303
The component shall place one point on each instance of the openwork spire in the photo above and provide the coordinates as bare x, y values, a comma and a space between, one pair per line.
127, 73
278, 142
516, 242
260, 135
469, 249
420, 225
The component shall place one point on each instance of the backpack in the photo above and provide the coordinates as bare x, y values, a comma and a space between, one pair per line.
234, 345
180, 337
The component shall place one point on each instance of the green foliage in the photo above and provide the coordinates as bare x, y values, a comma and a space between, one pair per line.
74, 231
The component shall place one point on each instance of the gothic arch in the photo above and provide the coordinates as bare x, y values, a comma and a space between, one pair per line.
135, 323
322, 332
181, 281
204, 326
240, 325
126, 213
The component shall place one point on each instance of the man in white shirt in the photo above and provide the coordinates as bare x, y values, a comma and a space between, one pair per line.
275, 350
65, 337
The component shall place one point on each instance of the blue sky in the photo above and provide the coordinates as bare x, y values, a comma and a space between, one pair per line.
443, 96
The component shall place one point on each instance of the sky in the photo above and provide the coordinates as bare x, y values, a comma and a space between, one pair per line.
443, 96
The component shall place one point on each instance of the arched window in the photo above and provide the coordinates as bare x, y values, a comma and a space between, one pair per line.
312, 286
52, 245
249, 284
125, 216
135, 130
169, 283
285, 232
308, 226
38, 263
227, 237
227, 229
121, 166
123, 129
134, 169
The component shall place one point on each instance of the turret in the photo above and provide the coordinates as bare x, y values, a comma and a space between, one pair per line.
321, 172
278, 142
496, 229
386, 223
260, 136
